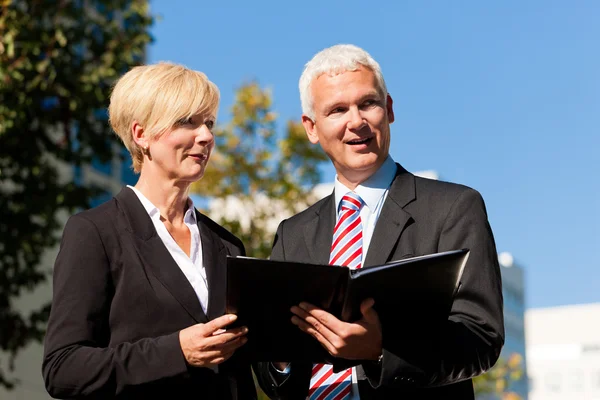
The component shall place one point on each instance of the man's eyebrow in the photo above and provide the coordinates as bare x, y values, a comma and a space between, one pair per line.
333, 104
369, 95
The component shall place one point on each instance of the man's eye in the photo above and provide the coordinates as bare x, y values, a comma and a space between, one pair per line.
369, 103
337, 110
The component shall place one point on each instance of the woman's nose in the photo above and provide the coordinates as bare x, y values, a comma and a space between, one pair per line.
204, 135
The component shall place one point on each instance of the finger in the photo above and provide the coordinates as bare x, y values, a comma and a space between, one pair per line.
218, 323
309, 329
240, 329
217, 341
368, 312
233, 345
317, 317
227, 349
214, 356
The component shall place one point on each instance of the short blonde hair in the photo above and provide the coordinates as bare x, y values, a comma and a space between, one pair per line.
157, 97
336, 60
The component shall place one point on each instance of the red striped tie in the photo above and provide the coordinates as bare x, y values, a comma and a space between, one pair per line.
346, 249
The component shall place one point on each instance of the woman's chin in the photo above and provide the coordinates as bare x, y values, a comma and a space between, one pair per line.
194, 177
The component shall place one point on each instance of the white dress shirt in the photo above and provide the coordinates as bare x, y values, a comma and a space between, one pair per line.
192, 265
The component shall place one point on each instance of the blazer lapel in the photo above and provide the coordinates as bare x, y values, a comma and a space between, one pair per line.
215, 265
155, 255
392, 219
318, 233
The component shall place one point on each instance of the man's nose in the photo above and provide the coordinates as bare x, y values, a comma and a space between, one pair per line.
356, 120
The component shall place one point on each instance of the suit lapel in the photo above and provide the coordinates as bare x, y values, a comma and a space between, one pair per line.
392, 219
155, 255
318, 233
214, 261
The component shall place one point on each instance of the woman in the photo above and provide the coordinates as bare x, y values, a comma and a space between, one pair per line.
139, 281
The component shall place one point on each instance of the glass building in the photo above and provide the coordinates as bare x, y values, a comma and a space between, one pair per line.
513, 291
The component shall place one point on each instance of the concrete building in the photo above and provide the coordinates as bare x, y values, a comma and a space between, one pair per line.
563, 352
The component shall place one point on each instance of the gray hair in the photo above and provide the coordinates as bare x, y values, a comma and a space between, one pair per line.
336, 60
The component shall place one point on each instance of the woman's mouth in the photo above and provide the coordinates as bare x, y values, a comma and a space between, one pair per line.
199, 156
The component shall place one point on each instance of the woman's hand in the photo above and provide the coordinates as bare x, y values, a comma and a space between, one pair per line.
207, 345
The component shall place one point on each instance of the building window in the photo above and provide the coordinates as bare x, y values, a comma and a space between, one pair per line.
552, 382
575, 380
531, 383
102, 167
128, 177
101, 197
596, 380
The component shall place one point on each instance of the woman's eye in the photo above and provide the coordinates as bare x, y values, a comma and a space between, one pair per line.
185, 121
210, 124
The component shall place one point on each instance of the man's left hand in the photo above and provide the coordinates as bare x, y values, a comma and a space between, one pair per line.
360, 340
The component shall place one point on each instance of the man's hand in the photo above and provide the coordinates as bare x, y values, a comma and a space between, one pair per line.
360, 340
207, 345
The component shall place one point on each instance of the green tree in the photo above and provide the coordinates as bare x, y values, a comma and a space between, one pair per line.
257, 177
58, 61
497, 380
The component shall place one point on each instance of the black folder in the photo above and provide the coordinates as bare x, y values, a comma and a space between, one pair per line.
413, 297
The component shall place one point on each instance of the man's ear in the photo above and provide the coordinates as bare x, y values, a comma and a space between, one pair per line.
309, 127
390, 110
137, 132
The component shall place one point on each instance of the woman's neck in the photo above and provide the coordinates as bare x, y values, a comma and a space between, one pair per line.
169, 197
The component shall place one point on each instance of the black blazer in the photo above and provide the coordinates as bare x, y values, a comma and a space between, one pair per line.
420, 216
119, 303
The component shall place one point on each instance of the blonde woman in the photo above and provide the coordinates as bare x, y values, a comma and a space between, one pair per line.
138, 306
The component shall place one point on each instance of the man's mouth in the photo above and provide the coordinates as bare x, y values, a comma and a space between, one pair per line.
360, 141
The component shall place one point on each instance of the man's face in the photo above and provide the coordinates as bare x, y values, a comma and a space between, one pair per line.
351, 123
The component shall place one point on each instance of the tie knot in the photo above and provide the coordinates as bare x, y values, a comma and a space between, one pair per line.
351, 201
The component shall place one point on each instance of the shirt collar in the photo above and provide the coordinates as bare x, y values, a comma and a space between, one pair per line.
152, 210
373, 188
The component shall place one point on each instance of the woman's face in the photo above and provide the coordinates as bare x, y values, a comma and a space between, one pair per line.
182, 153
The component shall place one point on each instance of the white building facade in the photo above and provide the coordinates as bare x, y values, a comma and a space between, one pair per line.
563, 352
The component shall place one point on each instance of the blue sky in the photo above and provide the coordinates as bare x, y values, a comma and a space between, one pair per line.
501, 96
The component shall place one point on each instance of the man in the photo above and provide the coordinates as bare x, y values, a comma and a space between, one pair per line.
393, 214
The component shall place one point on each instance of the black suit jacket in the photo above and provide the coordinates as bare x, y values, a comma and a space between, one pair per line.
119, 303
420, 216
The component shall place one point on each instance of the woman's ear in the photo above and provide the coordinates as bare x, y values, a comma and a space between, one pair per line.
137, 132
